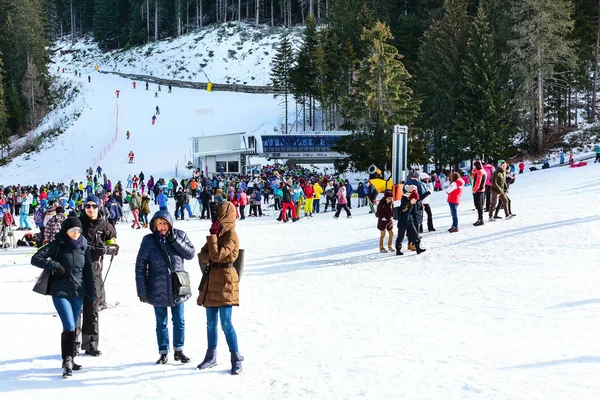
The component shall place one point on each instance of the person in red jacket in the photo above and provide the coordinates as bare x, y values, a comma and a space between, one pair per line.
309, 191
521, 167
131, 157
479, 188
117, 92
385, 222
454, 193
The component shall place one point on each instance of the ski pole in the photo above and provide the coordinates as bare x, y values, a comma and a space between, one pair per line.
109, 265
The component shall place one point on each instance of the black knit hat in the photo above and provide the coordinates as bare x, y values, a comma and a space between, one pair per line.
71, 222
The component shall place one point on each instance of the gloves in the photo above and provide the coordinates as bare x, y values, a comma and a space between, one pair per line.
215, 228
60, 270
170, 237
390, 225
144, 299
99, 249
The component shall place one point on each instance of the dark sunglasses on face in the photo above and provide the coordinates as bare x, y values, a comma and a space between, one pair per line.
88, 206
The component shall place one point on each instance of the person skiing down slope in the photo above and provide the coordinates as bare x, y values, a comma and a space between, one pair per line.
131, 157
117, 92
153, 119
128, 134
157, 110
133, 84
597, 150
147, 86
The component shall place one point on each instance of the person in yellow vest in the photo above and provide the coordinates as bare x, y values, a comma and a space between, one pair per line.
317, 199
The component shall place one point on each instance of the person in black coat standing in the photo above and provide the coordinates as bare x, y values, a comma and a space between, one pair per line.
70, 260
97, 233
154, 280
205, 197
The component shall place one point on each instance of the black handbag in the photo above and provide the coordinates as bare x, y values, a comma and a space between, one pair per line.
181, 279
42, 286
238, 264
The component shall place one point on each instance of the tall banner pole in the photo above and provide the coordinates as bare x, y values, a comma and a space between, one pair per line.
399, 161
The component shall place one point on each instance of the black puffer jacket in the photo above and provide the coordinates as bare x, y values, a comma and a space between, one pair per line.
77, 280
152, 275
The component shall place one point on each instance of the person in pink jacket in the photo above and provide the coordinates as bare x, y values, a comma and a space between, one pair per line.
242, 201
342, 203
454, 193
489, 170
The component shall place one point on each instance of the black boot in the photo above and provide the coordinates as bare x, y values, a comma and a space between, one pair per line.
163, 359
179, 356
93, 352
236, 363
67, 366
210, 360
419, 249
398, 250
67, 341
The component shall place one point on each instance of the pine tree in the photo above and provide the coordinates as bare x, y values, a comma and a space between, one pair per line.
4, 131
541, 51
487, 116
441, 83
281, 67
379, 99
303, 74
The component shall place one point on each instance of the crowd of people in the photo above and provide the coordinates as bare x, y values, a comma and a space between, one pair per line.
77, 222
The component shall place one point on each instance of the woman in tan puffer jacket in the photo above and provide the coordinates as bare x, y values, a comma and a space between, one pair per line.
220, 291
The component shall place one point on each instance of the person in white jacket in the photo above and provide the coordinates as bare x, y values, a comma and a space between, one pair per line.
429, 186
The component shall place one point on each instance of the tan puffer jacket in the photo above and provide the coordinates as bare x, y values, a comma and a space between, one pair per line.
222, 286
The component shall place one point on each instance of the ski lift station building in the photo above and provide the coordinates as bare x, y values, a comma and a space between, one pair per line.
233, 153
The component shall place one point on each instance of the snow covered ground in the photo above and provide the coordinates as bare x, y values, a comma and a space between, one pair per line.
184, 113
227, 53
509, 310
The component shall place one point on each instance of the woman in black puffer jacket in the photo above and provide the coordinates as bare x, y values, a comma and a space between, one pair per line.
69, 258
154, 280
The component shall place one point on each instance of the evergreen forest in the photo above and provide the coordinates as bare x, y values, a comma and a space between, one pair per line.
471, 78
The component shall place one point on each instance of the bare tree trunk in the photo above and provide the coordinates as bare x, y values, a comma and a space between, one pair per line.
217, 11
257, 10
319, 10
310, 8
272, 14
156, 20
73, 24
540, 109
148, 20
595, 88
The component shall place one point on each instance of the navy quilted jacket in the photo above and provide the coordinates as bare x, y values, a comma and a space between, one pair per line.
152, 275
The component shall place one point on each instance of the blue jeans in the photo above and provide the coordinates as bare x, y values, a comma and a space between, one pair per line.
212, 319
316, 205
454, 213
68, 310
162, 330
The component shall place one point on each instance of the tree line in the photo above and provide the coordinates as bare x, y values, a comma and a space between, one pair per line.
24, 81
473, 79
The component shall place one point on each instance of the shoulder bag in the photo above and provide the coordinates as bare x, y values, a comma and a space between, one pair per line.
181, 279
42, 285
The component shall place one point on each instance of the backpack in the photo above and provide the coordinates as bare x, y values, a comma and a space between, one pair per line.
38, 217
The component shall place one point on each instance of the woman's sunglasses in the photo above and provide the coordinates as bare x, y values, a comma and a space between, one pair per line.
75, 230
88, 206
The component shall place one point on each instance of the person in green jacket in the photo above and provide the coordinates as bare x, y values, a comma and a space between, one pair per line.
498, 189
